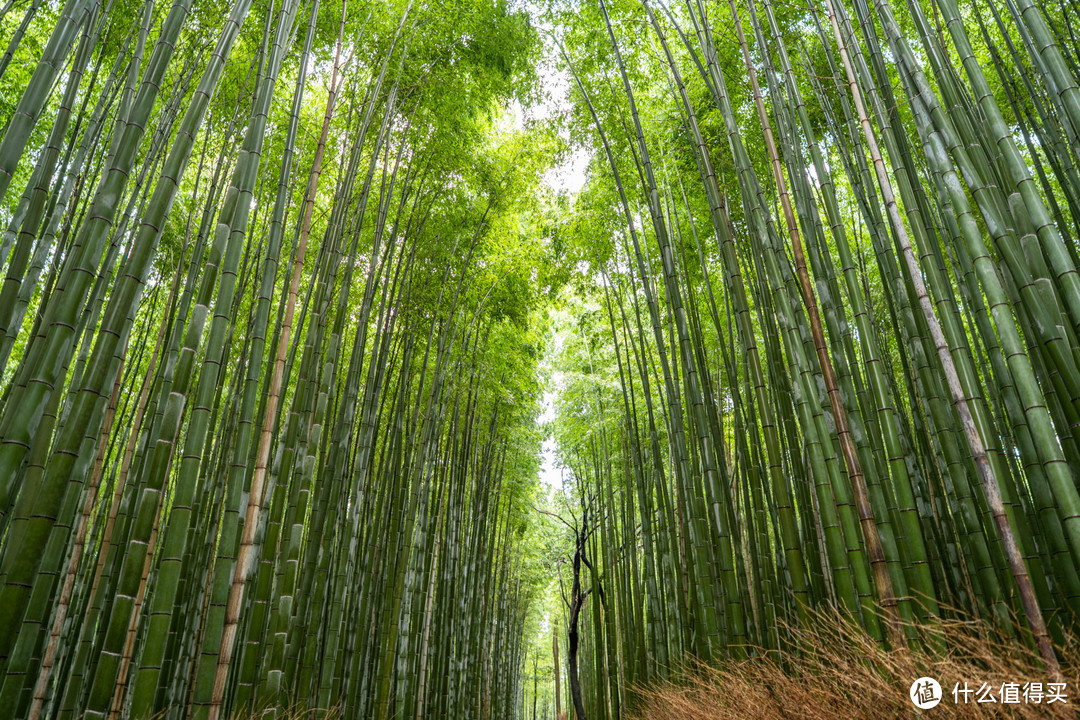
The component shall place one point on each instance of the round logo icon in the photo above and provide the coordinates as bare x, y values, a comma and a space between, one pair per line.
925, 693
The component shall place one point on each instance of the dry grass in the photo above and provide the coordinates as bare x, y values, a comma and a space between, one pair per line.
294, 712
841, 673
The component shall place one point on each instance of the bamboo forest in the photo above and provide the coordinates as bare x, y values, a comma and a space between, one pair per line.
539, 359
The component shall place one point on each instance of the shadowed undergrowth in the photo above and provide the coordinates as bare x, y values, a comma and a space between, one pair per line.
840, 672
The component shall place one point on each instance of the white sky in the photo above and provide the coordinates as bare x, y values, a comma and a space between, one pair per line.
568, 176
550, 475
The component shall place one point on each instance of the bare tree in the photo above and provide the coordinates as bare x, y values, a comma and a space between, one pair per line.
582, 528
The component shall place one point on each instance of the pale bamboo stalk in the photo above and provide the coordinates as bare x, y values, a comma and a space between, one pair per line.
886, 596
129, 644
129, 453
258, 479
428, 612
975, 443
41, 687
555, 669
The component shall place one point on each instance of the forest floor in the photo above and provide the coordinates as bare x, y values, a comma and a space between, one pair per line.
842, 673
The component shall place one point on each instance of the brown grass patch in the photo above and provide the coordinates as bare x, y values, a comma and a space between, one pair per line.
840, 672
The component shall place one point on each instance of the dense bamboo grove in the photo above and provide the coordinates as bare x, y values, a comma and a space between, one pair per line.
282, 282
268, 399
826, 358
